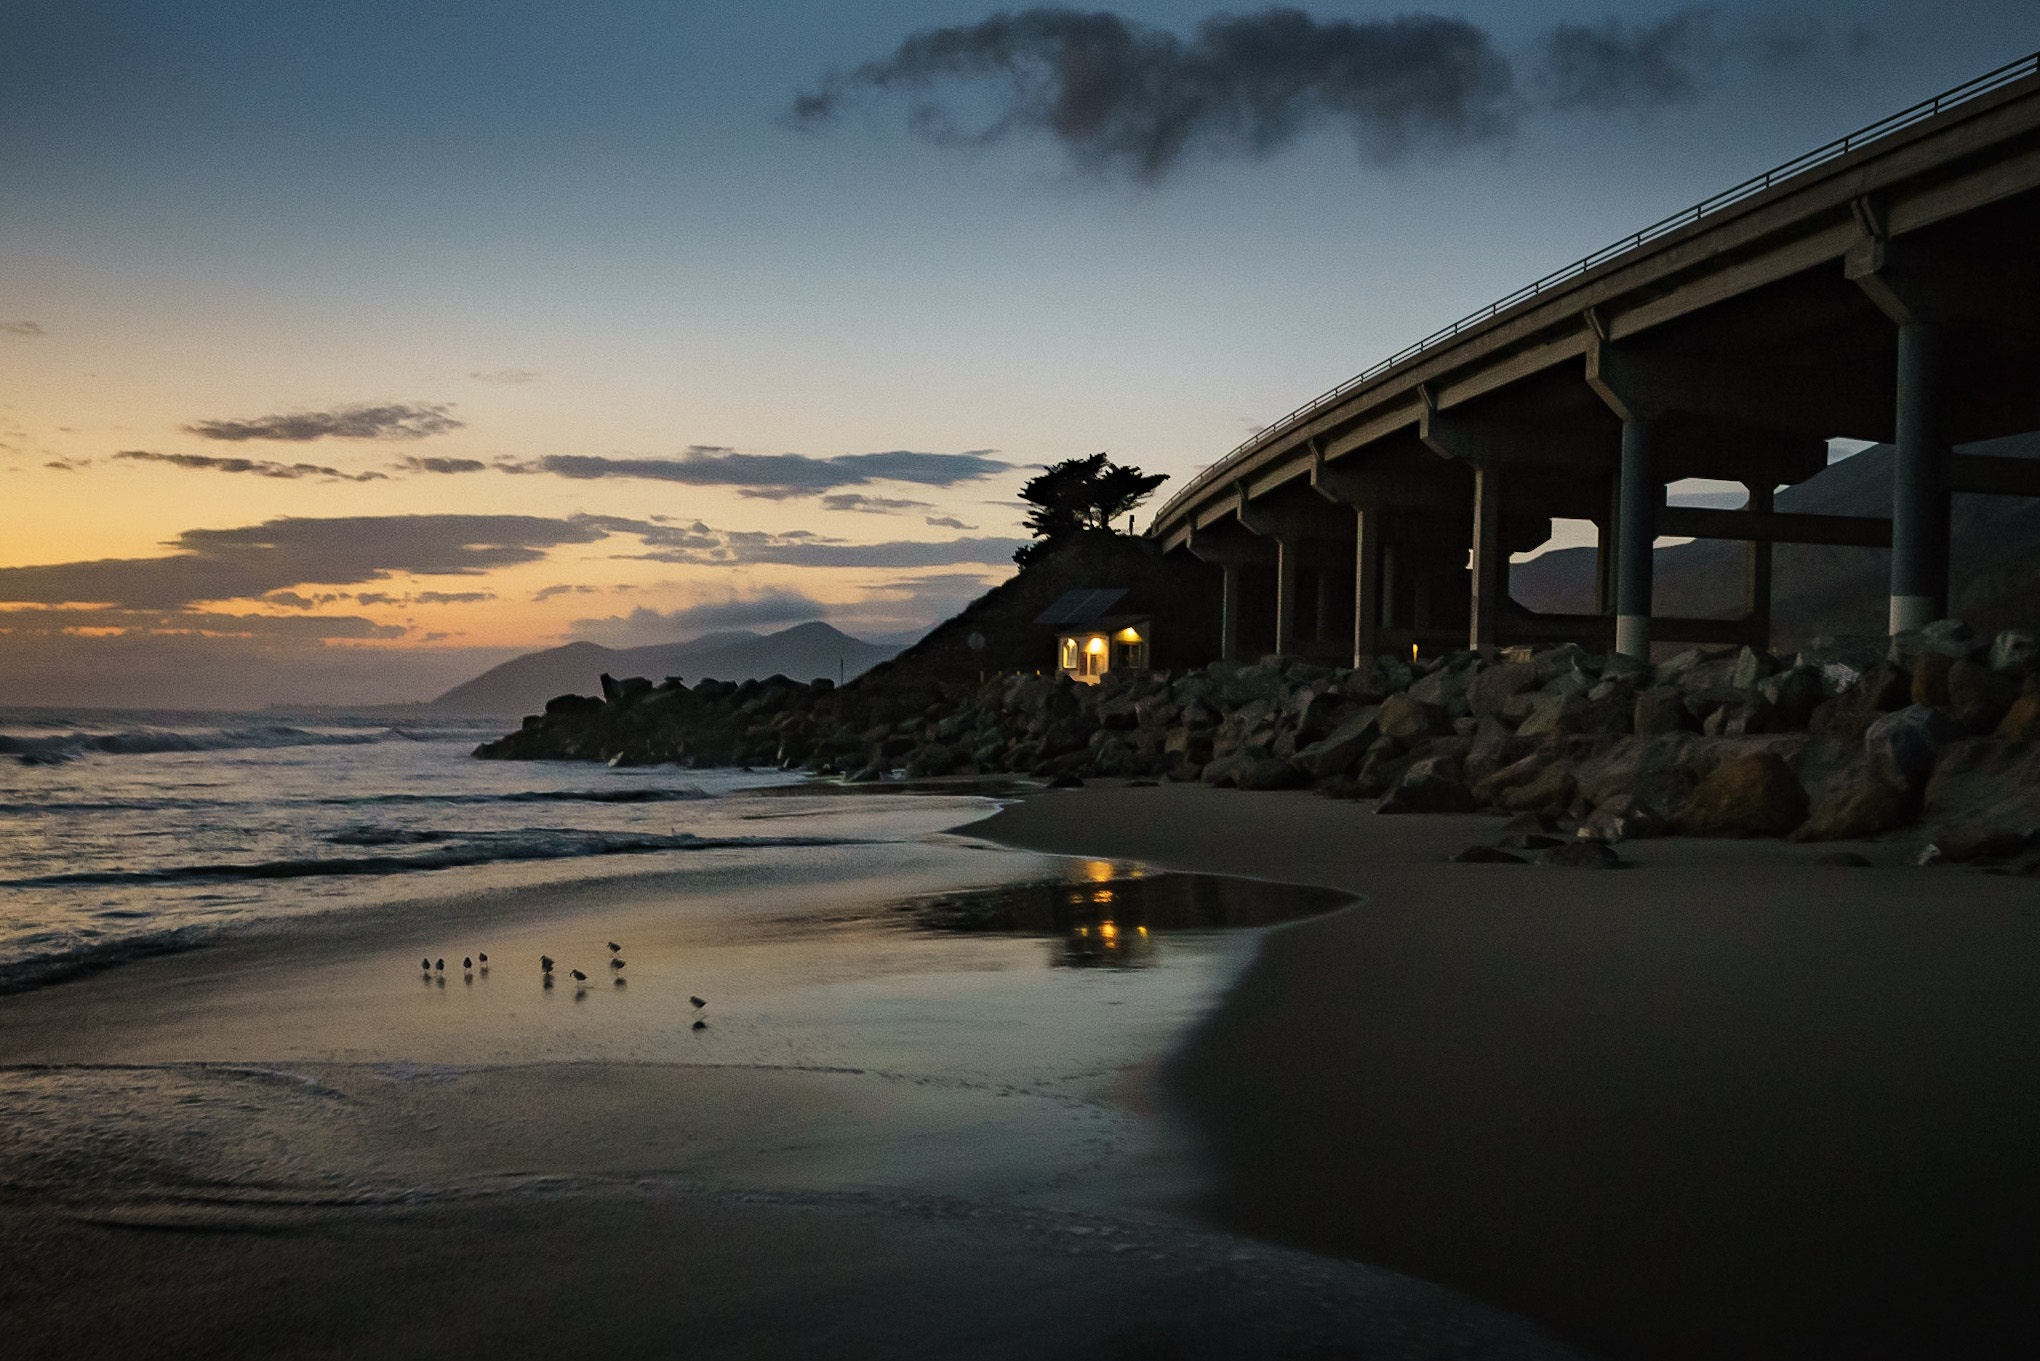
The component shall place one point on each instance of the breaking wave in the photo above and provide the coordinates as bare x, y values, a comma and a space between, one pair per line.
57, 748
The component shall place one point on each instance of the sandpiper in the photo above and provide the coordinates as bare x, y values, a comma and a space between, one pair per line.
699, 1003
614, 948
579, 977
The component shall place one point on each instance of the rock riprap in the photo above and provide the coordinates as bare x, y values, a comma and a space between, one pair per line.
1847, 738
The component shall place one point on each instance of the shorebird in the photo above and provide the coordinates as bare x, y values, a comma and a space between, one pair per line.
483, 958
440, 965
467, 963
700, 1025
616, 963
699, 1003
426, 965
614, 948
545, 963
579, 977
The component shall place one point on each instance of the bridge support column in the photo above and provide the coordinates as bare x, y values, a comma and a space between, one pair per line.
1490, 560
1287, 555
1229, 613
1638, 497
1919, 490
1757, 572
1322, 627
1367, 585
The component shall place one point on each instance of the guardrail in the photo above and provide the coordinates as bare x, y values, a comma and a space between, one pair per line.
1756, 184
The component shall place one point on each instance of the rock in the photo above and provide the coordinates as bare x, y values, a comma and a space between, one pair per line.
1661, 709
1068, 779
1949, 638
1529, 841
1985, 784
1494, 686
1555, 662
1342, 750
1430, 785
1405, 719
1581, 853
1839, 659
1860, 805
1930, 678
2021, 722
1486, 855
1904, 746
1793, 696
867, 774
1929, 855
1550, 792
1752, 668
1753, 795
1554, 714
1441, 689
1978, 697
2015, 652
1843, 860
1966, 844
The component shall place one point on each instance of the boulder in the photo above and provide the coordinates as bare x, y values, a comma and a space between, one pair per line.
1861, 804
1752, 795
1580, 853
1983, 785
1930, 678
1554, 713
1752, 668
1904, 746
1949, 638
1430, 785
1661, 709
1979, 697
1269, 772
1342, 750
1492, 687
1839, 659
2021, 722
2015, 652
1550, 792
1406, 720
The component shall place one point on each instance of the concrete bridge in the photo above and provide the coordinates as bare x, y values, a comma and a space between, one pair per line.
1885, 287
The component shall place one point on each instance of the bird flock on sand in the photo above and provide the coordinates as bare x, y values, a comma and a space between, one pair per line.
435, 970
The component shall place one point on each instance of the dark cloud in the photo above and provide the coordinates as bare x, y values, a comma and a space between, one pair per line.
248, 562
774, 476
506, 377
22, 328
545, 593
261, 467
945, 522
642, 626
746, 548
1127, 99
68, 465
451, 597
441, 465
870, 505
1124, 99
393, 422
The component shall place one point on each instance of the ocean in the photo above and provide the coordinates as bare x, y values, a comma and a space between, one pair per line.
124, 833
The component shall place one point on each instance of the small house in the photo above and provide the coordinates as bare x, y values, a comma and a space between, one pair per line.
1096, 632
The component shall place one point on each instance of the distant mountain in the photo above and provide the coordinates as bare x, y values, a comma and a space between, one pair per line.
1994, 570
522, 685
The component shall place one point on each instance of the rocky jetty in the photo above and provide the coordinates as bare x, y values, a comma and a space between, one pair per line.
1847, 739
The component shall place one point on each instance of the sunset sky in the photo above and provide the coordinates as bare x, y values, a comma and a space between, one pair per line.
348, 349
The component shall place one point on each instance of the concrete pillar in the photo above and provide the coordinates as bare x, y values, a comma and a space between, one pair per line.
1390, 617
1638, 500
1286, 556
1919, 486
1367, 585
1757, 572
1229, 614
1490, 562
1322, 627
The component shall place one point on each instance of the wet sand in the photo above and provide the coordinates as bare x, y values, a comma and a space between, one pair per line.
1723, 1103
885, 1141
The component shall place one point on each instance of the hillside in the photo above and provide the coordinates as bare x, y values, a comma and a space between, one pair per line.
1820, 590
522, 685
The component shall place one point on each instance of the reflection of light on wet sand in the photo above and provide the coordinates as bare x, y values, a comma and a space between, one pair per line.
1100, 871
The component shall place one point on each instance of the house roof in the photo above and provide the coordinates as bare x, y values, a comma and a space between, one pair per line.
1081, 608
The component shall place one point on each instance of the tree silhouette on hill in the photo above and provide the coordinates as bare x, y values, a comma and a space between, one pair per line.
1081, 495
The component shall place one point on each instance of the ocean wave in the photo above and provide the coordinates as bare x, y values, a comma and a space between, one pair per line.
60, 747
641, 794
76, 958
474, 848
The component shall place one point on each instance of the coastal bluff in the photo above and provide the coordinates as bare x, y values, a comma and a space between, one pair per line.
1847, 739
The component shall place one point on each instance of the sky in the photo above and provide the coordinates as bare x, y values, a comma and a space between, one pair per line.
346, 350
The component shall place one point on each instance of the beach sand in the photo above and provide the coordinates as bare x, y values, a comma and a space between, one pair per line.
883, 1143
1725, 1102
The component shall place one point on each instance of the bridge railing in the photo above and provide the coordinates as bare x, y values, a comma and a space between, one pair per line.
1756, 184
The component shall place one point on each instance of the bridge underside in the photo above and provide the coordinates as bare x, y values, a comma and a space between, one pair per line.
1908, 316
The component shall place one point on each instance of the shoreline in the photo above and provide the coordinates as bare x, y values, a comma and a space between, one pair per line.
1725, 1101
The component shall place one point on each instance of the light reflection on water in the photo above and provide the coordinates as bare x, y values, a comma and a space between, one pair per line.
1113, 915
